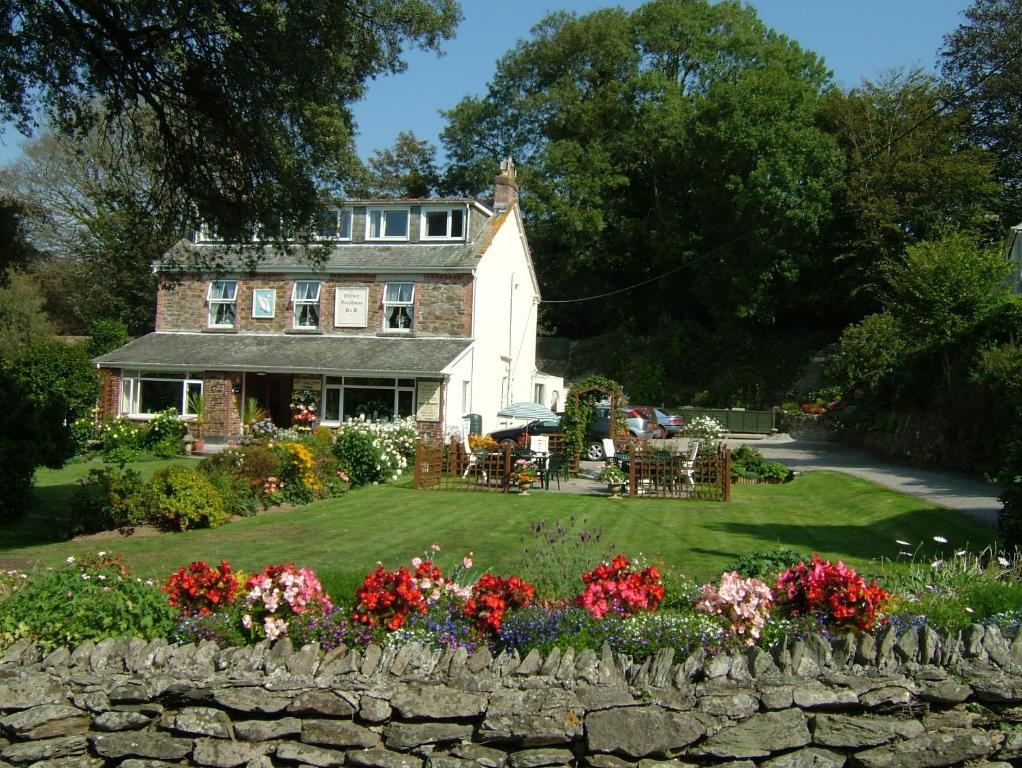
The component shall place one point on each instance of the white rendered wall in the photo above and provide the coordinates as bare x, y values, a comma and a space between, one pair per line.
504, 323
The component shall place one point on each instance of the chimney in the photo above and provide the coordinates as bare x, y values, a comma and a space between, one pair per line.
505, 186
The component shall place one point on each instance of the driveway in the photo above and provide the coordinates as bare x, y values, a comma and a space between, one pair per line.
955, 490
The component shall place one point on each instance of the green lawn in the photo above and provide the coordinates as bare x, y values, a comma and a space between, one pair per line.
836, 515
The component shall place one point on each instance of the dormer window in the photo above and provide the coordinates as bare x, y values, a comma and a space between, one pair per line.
443, 223
223, 303
387, 224
398, 306
334, 224
305, 298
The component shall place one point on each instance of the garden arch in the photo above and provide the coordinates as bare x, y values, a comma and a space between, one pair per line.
580, 407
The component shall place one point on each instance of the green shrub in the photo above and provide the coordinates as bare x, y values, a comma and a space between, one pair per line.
358, 456
83, 434
766, 564
106, 499
165, 436
179, 498
121, 441
238, 496
746, 461
86, 600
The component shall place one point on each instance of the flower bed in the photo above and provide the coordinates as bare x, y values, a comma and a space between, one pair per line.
618, 602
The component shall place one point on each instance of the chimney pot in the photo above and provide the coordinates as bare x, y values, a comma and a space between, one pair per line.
505, 187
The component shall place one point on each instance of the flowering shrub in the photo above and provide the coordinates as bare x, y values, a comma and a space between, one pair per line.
165, 436
492, 596
88, 598
434, 585
180, 498
278, 594
304, 409
297, 481
201, 590
375, 451
616, 590
264, 429
836, 591
11, 581
120, 440
482, 443
523, 471
705, 429
387, 597
744, 604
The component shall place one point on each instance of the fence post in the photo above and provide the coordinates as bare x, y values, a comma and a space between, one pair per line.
727, 474
506, 480
632, 489
417, 475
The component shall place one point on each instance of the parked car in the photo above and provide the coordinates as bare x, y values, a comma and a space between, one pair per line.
636, 425
519, 434
670, 423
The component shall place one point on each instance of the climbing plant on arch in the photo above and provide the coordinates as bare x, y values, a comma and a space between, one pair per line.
580, 408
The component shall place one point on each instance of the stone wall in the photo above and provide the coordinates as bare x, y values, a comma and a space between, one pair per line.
915, 700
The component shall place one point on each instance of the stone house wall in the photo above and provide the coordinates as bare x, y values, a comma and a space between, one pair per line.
913, 701
443, 304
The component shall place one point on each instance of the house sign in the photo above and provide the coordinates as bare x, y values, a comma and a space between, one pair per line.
428, 400
351, 307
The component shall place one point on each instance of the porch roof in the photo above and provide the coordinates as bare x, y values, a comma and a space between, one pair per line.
331, 355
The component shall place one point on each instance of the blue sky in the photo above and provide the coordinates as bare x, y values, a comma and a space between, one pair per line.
857, 38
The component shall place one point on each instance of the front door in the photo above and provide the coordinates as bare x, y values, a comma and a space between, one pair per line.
273, 391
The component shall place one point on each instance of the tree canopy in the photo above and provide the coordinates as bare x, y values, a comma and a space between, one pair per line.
982, 60
245, 107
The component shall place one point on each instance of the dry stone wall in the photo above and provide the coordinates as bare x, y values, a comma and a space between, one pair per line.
911, 701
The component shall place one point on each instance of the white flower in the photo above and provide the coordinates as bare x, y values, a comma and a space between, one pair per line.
961, 553
936, 564
1003, 561
70, 559
940, 539
903, 543
101, 554
969, 610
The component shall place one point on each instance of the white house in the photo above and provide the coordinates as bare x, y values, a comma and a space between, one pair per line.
423, 307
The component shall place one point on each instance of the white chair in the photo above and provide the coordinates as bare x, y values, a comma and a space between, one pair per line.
689, 465
472, 464
539, 443
608, 449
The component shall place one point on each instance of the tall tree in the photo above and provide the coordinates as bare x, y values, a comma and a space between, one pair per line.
101, 215
250, 102
911, 175
408, 169
982, 60
677, 140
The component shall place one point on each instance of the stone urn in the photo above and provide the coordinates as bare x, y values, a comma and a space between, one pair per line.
523, 487
615, 489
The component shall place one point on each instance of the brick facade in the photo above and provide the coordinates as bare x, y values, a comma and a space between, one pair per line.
223, 406
443, 304
109, 394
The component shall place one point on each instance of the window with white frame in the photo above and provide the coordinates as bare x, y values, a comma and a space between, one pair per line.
398, 306
305, 298
145, 393
538, 394
349, 397
387, 224
222, 297
443, 223
334, 224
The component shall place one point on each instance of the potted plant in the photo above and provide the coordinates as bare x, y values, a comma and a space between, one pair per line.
524, 474
252, 413
197, 407
615, 479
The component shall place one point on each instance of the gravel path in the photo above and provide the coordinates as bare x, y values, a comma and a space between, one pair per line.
956, 490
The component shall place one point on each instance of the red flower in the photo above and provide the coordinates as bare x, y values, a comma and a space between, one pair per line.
200, 589
836, 591
387, 597
492, 596
616, 590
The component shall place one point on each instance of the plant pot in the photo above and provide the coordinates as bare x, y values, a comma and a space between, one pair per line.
615, 489
199, 445
523, 487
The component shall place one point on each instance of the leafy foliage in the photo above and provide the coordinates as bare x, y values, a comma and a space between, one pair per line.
406, 170
87, 600
226, 104
106, 499
766, 563
179, 498
746, 461
580, 410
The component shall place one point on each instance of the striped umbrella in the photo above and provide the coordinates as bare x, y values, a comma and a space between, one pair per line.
526, 411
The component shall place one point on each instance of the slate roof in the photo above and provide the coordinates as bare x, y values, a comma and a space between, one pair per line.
292, 353
356, 256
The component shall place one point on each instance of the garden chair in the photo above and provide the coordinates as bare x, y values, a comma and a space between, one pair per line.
554, 466
688, 466
608, 449
472, 460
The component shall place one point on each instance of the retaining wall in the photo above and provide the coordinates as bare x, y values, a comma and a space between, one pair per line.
914, 700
